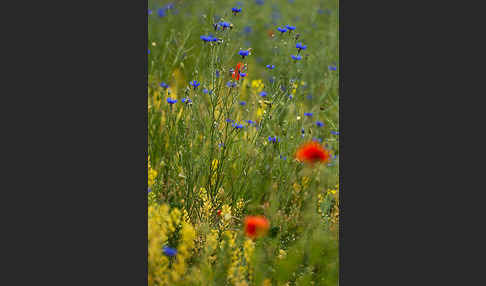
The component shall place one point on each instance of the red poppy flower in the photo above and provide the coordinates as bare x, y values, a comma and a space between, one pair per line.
312, 152
256, 226
219, 212
236, 72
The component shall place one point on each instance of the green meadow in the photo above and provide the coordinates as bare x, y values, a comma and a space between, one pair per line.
235, 194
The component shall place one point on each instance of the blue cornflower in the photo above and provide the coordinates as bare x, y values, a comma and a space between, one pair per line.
242, 74
290, 96
282, 30
271, 79
237, 126
271, 67
231, 84
335, 132
242, 103
205, 90
217, 73
263, 94
224, 25
235, 10
149, 11
317, 139
319, 123
297, 58
283, 157
302, 131
308, 114
250, 122
290, 28
273, 139
186, 100
194, 83
161, 12
164, 85
205, 38
171, 101
230, 120
169, 251
300, 47
332, 68
244, 53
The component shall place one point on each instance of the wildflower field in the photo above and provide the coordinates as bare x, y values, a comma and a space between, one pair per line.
243, 148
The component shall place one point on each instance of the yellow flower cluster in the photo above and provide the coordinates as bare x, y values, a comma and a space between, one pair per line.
162, 225
207, 207
226, 216
152, 174
239, 270
257, 85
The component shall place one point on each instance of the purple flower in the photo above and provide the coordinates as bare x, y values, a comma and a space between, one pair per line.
169, 251
243, 53
300, 46
290, 28
282, 30
332, 68
235, 10
171, 101
263, 94
335, 132
297, 58
194, 83
319, 123
242, 103
237, 126
308, 114
164, 85
270, 67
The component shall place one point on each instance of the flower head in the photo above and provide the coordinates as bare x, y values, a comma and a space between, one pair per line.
237, 126
250, 122
161, 12
319, 124
300, 46
169, 251
242, 103
194, 83
231, 84
290, 28
244, 53
263, 94
256, 226
282, 30
171, 101
297, 58
332, 68
164, 85
235, 10
270, 67
205, 90
308, 114
273, 139
186, 100
312, 152
335, 132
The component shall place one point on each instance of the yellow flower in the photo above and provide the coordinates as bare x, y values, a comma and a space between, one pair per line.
152, 174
